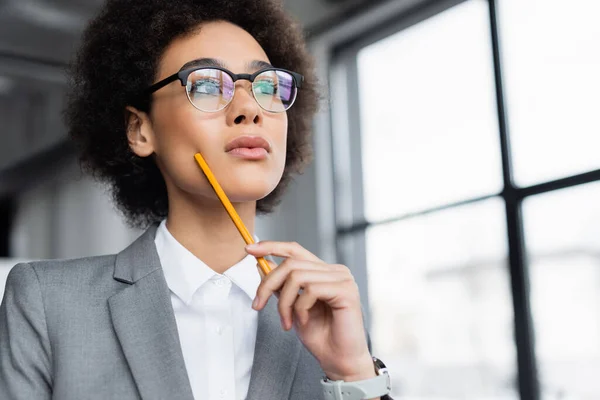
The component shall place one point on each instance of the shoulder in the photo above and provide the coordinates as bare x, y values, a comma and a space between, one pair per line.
76, 269
61, 293
80, 272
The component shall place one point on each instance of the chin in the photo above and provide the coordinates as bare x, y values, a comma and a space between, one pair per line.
239, 187
250, 187
247, 194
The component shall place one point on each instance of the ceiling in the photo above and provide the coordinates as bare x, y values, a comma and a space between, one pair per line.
48, 30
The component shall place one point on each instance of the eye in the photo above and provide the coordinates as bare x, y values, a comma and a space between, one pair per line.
265, 86
206, 86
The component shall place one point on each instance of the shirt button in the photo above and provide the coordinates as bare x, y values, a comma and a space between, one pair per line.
223, 392
220, 330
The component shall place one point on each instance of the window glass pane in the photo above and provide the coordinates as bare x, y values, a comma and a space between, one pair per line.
428, 116
441, 310
551, 59
563, 245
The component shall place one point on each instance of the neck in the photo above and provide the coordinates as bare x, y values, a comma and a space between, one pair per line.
208, 232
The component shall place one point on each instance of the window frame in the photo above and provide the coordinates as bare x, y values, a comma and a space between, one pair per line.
339, 163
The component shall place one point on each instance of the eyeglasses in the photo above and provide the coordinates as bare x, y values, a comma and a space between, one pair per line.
211, 89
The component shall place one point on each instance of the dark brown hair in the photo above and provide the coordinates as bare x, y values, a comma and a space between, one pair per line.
118, 58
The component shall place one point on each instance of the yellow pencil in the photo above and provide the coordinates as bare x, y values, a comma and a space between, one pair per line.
264, 265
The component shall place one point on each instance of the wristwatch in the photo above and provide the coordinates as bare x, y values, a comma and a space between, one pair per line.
380, 386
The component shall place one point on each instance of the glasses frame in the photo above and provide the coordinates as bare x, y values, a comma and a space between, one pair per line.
184, 74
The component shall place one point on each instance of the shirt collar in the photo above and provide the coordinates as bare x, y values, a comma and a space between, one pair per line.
185, 273
245, 275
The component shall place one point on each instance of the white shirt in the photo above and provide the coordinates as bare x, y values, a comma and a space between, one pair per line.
215, 320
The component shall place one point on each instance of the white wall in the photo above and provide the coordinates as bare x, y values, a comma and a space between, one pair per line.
67, 216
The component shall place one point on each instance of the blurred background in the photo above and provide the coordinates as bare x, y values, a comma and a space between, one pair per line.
456, 172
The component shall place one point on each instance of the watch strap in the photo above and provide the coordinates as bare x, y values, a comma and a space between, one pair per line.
357, 390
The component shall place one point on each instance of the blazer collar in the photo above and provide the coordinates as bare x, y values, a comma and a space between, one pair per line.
145, 325
276, 357
139, 259
144, 321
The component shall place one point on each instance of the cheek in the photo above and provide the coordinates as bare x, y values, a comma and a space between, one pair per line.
179, 135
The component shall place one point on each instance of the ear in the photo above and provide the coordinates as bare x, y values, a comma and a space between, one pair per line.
140, 134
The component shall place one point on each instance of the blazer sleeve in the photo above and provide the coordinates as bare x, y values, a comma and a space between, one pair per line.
25, 358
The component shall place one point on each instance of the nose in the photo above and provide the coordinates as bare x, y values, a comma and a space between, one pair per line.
243, 108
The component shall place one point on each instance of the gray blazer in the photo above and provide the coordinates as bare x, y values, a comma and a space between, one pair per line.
104, 328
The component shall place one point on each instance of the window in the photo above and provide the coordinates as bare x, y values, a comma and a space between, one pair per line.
428, 115
478, 252
551, 63
563, 248
440, 299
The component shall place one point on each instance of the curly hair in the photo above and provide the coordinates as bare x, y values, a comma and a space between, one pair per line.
118, 58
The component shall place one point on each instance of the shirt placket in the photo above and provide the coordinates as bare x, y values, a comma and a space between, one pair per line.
219, 336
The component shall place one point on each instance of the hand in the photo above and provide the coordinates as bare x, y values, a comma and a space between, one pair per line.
321, 301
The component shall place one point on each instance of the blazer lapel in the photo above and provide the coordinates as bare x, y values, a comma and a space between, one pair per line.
145, 324
276, 357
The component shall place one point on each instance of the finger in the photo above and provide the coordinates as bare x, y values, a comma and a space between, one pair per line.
274, 281
326, 292
296, 281
262, 274
260, 271
281, 249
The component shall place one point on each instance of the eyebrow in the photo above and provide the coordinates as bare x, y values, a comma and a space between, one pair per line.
253, 65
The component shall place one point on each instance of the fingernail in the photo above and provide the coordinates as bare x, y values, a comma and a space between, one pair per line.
252, 246
255, 302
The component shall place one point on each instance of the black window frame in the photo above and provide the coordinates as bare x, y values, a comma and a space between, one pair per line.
348, 192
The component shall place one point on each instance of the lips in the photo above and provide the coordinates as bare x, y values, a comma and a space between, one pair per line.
248, 142
248, 147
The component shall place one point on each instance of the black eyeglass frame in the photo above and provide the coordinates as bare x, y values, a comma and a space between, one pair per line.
184, 74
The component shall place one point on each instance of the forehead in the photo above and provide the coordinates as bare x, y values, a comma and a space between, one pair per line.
232, 46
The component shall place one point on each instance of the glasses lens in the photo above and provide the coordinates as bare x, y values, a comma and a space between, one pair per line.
274, 90
209, 89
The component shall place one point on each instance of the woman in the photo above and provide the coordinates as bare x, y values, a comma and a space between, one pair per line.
182, 313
